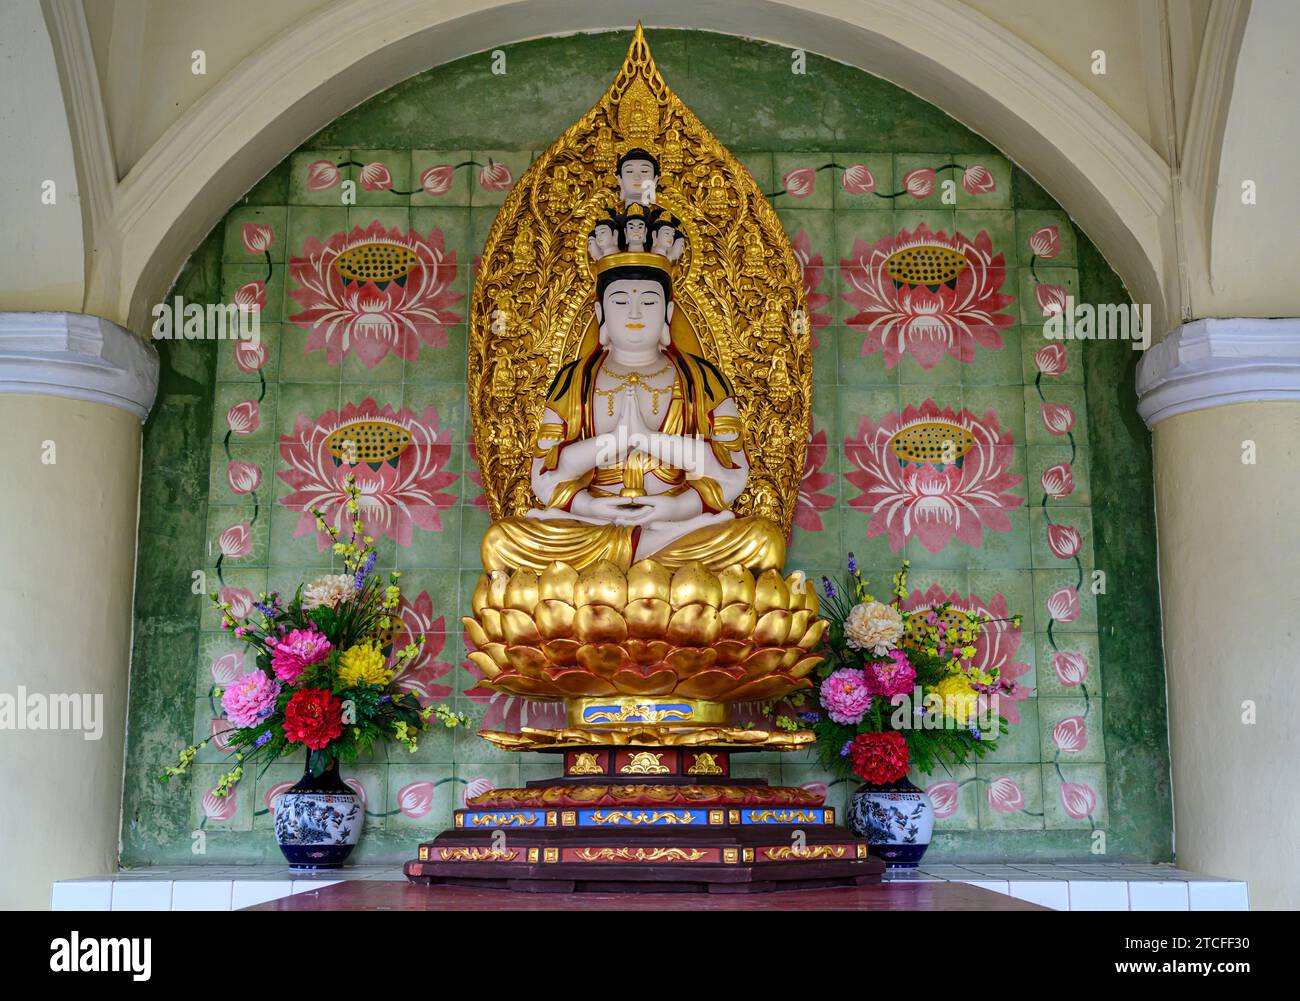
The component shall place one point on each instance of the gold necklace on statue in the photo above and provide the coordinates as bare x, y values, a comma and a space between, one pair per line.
635, 379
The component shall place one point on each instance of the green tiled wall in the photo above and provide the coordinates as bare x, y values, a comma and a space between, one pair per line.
1011, 804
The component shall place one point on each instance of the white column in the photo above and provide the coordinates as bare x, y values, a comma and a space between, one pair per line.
74, 390
1222, 397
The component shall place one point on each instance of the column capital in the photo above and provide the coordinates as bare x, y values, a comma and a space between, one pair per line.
78, 357
1215, 362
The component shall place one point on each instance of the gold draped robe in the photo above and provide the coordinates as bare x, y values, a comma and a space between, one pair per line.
534, 543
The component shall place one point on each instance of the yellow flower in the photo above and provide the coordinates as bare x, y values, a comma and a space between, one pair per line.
959, 699
363, 664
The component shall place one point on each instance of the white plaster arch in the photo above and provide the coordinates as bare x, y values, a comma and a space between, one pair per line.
1083, 154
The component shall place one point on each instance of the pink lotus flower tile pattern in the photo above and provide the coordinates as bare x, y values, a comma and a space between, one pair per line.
932, 474
928, 295
399, 459
375, 290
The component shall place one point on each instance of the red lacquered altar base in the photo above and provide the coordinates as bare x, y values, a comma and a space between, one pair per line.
633, 820
383, 895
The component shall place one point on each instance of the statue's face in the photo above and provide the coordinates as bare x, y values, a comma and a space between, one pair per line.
635, 230
664, 237
636, 179
604, 235
634, 313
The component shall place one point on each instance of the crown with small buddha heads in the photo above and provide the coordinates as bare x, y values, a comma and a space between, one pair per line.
654, 218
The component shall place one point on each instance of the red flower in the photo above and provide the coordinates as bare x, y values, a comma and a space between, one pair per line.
977, 180
943, 796
1063, 604
376, 177
800, 183
902, 314
257, 237
1004, 795
1071, 734
243, 418
437, 180
1051, 299
1071, 667
244, 477
811, 499
919, 183
495, 177
1045, 242
1078, 800
1057, 481
879, 758
313, 717
1064, 541
372, 291
322, 175
236, 542
251, 297
1050, 359
858, 180
1058, 418
249, 355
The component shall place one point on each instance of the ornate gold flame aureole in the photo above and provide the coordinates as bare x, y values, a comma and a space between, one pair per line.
645, 655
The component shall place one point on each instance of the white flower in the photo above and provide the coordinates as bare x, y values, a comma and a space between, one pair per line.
874, 626
328, 590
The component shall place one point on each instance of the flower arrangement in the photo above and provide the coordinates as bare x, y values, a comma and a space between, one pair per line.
897, 688
324, 679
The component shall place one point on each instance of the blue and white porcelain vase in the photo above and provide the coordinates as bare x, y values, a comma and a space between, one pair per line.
318, 821
896, 820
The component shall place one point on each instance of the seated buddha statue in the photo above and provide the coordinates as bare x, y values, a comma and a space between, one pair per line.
640, 452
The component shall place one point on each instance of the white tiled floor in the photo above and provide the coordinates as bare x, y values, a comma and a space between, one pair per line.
1101, 886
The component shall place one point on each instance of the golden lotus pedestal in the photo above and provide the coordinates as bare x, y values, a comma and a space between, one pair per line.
647, 806
649, 663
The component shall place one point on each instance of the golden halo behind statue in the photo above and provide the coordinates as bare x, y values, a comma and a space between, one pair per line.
738, 287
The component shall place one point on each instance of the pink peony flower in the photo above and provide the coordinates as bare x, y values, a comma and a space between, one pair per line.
1045, 242
1064, 541
257, 237
1063, 604
943, 797
1071, 734
893, 677
250, 699
919, 183
846, 696
1057, 481
437, 180
376, 177
800, 183
858, 180
1058, 418
1071, 667
416, 799
297, 651
244, 418
1050, 359
978, 180
244, 477
1078, 800
322, 175
1051, 299
495, 177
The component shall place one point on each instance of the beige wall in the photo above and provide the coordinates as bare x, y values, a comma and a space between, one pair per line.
67, 547
1229, 539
